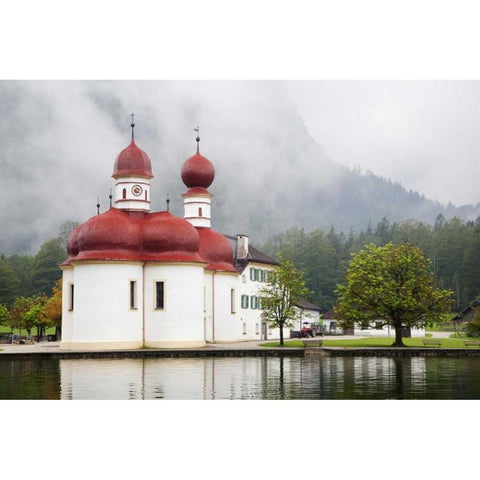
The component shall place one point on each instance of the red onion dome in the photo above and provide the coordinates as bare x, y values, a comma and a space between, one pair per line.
113, 235
132, 161
216, 250
72, 245
72, 242
170, 238
198, 171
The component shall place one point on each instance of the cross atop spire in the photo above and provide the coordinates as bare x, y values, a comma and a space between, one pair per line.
132, 124
197, 139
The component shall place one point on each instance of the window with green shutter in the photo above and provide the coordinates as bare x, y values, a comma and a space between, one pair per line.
253, 274
253, 302
244, 301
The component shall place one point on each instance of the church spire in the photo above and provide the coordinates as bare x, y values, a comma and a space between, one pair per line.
197, 139
133, 125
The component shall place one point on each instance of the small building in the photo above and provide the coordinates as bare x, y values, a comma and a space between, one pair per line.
377, 328
310, 315
330, 325
460, 320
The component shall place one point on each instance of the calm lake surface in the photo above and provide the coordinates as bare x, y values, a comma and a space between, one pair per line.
256, 378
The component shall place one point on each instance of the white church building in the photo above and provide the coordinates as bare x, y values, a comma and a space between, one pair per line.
135, 278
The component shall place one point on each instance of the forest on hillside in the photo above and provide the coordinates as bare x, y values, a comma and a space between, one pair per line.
452, 246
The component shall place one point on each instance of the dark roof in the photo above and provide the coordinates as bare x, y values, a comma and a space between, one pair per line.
259, 257
330, 314
254, 255
307, 305
459, 316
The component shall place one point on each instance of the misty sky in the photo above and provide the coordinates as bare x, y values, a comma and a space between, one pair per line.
424, 134
60, 139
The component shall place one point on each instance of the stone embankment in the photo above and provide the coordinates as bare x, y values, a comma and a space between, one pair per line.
238, 349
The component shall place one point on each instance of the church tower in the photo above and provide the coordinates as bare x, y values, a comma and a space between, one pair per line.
132, 174
197, 175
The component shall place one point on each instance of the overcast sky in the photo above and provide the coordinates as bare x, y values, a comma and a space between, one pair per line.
424, 134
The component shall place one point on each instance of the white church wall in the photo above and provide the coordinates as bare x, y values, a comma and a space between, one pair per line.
225, 320
67, 313
208, 305
198, 210
180, 323
102, 317
124, 195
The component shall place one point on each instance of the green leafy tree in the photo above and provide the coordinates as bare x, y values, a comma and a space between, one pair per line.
393, 283
33, 318
4, 315
473, 325
26, 313
52, 310
284, 288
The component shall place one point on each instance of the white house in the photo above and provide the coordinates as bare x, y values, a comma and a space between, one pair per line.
375, 329
135, 278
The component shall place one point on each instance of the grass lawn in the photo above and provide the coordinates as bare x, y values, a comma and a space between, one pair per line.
4, 329
377, 342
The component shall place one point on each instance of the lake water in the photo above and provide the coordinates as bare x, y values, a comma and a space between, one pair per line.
241, 378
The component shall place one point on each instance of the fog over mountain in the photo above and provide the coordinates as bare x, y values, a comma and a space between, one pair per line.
60, 139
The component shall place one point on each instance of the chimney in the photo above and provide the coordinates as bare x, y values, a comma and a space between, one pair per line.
242, 247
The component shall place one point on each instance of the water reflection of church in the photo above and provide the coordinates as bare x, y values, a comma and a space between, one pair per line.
244, 378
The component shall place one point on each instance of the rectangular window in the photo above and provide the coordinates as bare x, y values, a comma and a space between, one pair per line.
253, 302
232, 300
253, 274
257, 329
70, 306
133, 294
159, 295
244, 279
259, 303
244, 328
244, 301
261, 275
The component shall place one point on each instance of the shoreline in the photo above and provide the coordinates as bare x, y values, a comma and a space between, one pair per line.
238, 349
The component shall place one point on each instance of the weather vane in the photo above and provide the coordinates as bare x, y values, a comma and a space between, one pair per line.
198, 138
133, 123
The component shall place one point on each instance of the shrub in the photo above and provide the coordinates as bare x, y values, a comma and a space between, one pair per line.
473, 326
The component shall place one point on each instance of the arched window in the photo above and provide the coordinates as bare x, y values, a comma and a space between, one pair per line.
199, 211
124, 194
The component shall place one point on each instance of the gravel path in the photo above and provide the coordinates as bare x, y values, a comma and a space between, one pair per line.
55, 346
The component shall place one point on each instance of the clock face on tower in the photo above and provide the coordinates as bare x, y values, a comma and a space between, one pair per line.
137, 190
